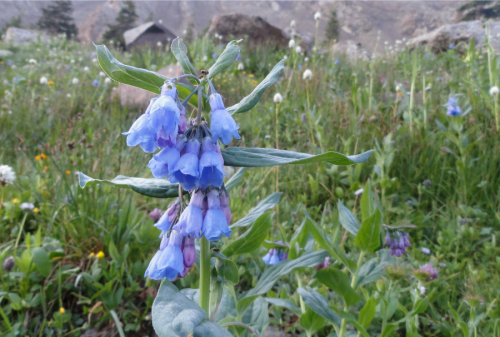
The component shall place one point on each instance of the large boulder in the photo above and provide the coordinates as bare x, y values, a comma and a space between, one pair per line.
306, 39
18, 36
137, 97
253, 29
439, 40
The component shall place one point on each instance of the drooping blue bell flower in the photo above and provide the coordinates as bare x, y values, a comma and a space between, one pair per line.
191, 219
167, 218
142, 134
215, 222
211, 168
168, 261
186, 170
222, 124
164, 161
453, 109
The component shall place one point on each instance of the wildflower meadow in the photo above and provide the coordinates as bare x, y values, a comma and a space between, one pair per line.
266, 191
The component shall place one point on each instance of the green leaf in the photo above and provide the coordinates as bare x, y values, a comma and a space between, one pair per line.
251, 100
387, 330
264, 205
338, 282
141, 78
272, 244
367, 203
367, 313
319, 304
174, 315
347, 220
179, 50
156, 188
368, 237
350, 318
235, 179
420, 306
311, 321
41, 260
257, 315
370, 271
279, 302
323, 240
228, 270
252, 238
263, 157
274, 272
225, 59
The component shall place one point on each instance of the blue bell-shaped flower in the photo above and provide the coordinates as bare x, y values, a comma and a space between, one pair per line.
211, 169
164, 161
222, 124
191, 219
186, 170
215, 223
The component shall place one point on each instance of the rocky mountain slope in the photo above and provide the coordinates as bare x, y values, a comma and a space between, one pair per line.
360, 20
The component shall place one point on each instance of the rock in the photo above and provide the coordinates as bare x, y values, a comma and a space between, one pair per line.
352, 49
253, 29
18, 36
91, 333
439, 40
4, 53
306, 39
137, 97
272, 331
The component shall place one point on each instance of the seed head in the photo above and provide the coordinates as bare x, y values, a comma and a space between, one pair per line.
278, 98
317, 16
291, 44
7, 175
307, 75
44, 80
494, 91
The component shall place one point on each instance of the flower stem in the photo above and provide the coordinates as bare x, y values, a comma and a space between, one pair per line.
302, 304
353, 285
205, 274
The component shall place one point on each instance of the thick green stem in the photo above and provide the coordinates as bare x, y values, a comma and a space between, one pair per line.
205, 274
353, 285
302, 304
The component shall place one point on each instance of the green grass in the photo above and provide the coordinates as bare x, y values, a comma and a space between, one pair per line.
77, 129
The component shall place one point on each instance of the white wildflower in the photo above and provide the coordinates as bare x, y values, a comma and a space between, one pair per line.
44, 80
291, 44
75, 81
205, 58
107, 80
32, 61
494, 91
7, 175
102, 74
358, 192
306, 59
26, 206
298, 50
426, 250
285, 57
292, 24
86, 69
317, 16
159, 44
278, 98
241, 66
94, 60
307, 75
68, 95
422, 290
72, 61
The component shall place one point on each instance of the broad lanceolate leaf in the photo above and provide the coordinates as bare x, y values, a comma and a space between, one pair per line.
367, 201
225, 59
338, 282
319, 304
278, 302
350, 318
347, 219
41, 260
257, 315
322, 238
368, 237
263, 157
235, 179
174, 315
141, 78
367, 313
228, 270
251, 100
156, 188
274, 272
179, 50
268, 203
311, 322
371, 271
252, 238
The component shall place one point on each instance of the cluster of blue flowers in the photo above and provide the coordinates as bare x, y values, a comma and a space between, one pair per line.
397, 243
275, 255
453, 109
190, 154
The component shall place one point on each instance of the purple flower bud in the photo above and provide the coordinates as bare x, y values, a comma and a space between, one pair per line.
398, 252
323, 264
155, 214
224, 205
168, 217
407, 239
189, 252
401, 242
304, 118
387, 238
183, 121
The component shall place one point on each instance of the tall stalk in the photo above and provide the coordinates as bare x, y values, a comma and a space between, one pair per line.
205, 274
412, 90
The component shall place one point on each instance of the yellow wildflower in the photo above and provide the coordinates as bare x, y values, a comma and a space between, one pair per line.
91, 255
43, 156
35, 210
15, 201
62, 311
100, 255
46, 168
50, 83
38, 158
68, 172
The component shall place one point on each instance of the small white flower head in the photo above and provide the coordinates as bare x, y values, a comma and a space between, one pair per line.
205, 58
86, 69
44, 80
107, 80
220, 37
72, 61
292, 24
278, 98
241, 66
422, 290
32, 61
7, 175
216, 35
307, 75
317, 16
306, 59
102, 73
426, 250
494, 91
94, 60
26, 206
386, 42
359, 192
159, 44
291, 44
75, 81
68, 95
285, 57
298, 50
